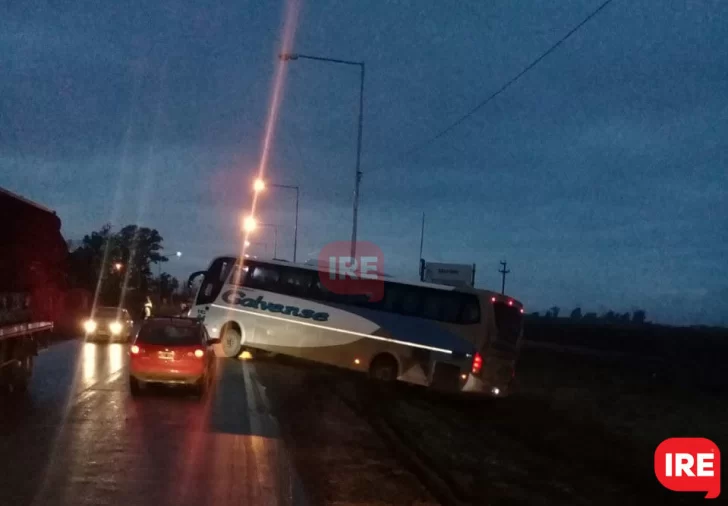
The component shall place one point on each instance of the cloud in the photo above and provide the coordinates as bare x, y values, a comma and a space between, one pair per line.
599, 175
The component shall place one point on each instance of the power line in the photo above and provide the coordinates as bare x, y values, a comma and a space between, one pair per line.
503, 88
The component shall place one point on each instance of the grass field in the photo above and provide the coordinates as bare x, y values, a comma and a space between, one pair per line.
579, 429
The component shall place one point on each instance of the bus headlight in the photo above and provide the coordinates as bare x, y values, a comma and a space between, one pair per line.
89, 326
115, 328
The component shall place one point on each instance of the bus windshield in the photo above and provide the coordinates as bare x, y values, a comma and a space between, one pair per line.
215, 278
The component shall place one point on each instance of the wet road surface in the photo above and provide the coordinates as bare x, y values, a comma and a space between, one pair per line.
79, 438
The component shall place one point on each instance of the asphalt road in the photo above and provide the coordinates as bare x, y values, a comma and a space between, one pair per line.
79, 438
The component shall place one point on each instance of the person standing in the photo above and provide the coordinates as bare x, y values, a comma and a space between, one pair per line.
148, 308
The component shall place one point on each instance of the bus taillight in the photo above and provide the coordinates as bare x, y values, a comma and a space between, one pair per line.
477, 363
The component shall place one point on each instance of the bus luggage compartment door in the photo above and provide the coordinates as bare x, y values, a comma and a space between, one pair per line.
446, 377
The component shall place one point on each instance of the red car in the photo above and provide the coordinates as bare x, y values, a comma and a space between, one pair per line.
175, 351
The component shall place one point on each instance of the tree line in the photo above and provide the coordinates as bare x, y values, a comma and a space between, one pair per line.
638, 316
119, 265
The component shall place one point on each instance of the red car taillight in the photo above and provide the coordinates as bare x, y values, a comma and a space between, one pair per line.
199, 353
135, 350
477, 363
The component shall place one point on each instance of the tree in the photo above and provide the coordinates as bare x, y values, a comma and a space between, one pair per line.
117, 263
86, 260
590, 317
167, 285
138, 248
639, 316
576, 314
554, 311
624, 317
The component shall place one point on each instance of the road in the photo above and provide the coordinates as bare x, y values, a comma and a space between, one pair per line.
79, 438
281, 432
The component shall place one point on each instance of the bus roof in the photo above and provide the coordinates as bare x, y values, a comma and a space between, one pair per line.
321, 267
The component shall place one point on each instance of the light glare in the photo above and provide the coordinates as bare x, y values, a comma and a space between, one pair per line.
249, 224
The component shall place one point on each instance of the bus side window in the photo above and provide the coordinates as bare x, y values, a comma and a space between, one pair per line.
264, 277
433, 306
402, 299
411, 301
441, 306
470, 310
318, 291
391, 300
295, 282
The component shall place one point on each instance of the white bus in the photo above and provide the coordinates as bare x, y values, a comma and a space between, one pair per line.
421, 333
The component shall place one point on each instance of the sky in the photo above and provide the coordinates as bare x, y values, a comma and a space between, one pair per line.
600, 176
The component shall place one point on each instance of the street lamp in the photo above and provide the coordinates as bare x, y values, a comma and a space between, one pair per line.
259, 186
118, 266
357, 179
249, 224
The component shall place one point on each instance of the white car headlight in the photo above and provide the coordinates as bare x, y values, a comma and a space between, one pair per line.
89, 326
115, 328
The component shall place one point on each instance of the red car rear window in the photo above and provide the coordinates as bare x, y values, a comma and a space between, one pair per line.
169, 334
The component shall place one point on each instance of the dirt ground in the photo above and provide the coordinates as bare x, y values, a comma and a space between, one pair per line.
631, 399
340, 459
577, 431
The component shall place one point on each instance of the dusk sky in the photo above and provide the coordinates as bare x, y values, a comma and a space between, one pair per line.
601, 175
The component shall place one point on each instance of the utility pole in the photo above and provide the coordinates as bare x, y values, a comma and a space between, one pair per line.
504, 271
422, 235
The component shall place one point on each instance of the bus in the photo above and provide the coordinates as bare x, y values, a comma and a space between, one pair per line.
456, 339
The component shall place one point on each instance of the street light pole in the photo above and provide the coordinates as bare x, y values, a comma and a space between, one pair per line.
295, 229
358, 163
275, 237
358, 174
159, 274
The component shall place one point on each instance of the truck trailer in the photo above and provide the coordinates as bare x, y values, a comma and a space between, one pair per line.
33, 283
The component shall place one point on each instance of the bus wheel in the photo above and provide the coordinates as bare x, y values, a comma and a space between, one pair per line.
231, 343
383, 368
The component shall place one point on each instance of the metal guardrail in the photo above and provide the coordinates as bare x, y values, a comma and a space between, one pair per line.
20, 329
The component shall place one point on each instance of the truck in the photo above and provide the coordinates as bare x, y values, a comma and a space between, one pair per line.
33, 284
447, 274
